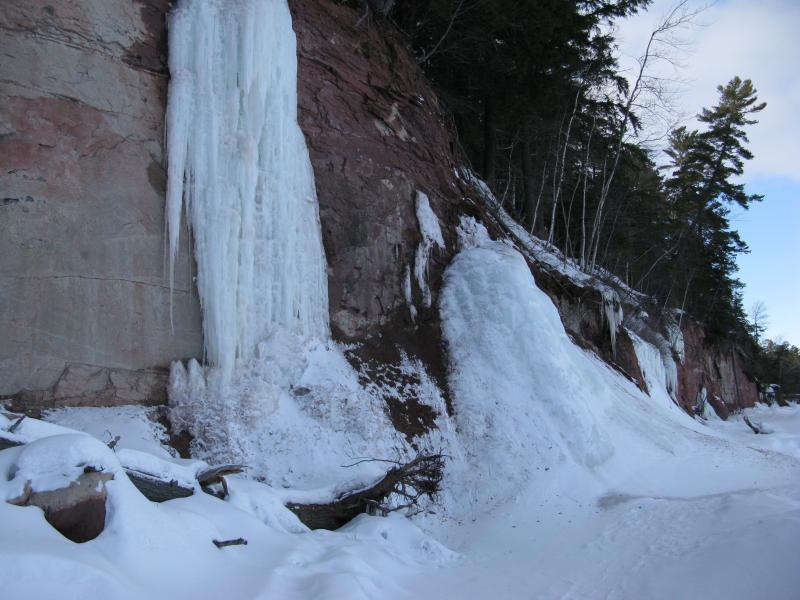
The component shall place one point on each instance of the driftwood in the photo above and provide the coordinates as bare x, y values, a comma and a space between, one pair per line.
409, 482
751, 426
157, 490
236, 542
210, 478
16, 424
6, 443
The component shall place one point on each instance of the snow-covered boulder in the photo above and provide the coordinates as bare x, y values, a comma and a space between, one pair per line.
65, 476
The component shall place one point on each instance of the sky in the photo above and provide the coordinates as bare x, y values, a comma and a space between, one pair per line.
756, 40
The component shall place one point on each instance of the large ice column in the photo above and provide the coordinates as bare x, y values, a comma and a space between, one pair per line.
238, 163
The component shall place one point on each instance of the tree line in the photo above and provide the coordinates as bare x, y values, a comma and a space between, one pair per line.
544, 115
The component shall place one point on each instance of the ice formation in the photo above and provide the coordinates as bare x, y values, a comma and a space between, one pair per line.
238, 162
431, 236
676, 339
658, 368
521, 388
612, 314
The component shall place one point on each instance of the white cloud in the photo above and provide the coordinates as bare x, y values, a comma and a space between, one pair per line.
756, 40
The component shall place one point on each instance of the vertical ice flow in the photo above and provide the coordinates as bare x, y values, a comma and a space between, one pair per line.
238, 163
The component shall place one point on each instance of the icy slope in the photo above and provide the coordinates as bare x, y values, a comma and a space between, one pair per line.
527, 399
575, 484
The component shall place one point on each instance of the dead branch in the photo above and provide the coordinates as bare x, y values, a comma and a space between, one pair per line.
409, 482
16, 424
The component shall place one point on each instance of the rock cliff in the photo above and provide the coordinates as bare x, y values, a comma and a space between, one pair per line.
84, 293
84, 301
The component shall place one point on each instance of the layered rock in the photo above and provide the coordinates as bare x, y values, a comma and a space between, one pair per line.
716, 372
84, 297
376, 135
84, 294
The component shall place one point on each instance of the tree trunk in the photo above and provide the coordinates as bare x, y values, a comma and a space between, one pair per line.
527, 181
489, 141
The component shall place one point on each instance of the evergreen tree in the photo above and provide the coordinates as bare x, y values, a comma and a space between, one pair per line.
700, 191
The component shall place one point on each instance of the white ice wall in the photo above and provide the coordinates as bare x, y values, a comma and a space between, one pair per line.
238, 164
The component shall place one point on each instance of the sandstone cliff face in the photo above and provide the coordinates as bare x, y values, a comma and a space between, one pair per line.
84, 301
376, 136
719, 369
84, 297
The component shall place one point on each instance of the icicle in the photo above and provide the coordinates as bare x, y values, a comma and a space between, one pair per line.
675, 336
238, 162
431, 235
612, 314
657, 366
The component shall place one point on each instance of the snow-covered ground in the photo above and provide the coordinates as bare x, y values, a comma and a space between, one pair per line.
566, 481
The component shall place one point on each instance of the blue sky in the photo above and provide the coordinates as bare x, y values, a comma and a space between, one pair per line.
756, 40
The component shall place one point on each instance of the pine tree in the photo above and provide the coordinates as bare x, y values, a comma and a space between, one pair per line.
701, 189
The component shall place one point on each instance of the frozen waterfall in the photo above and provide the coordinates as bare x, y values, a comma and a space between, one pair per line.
238, 163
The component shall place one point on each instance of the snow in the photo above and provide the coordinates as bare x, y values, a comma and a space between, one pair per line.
586, 487
54, 461
431, 237
471, 233
563, 480
166, 550
135, 426
612, 314
675, 336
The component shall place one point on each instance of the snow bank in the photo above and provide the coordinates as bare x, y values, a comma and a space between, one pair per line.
135, 426
166, 550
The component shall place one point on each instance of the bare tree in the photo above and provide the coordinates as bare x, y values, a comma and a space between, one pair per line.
646, 85
759, 320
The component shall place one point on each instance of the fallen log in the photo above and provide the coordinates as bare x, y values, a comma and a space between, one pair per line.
410, 482
224, 543
157, 490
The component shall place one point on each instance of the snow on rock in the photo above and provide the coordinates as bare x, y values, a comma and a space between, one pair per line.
53, 462
471, 233
238, 162
431, 235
